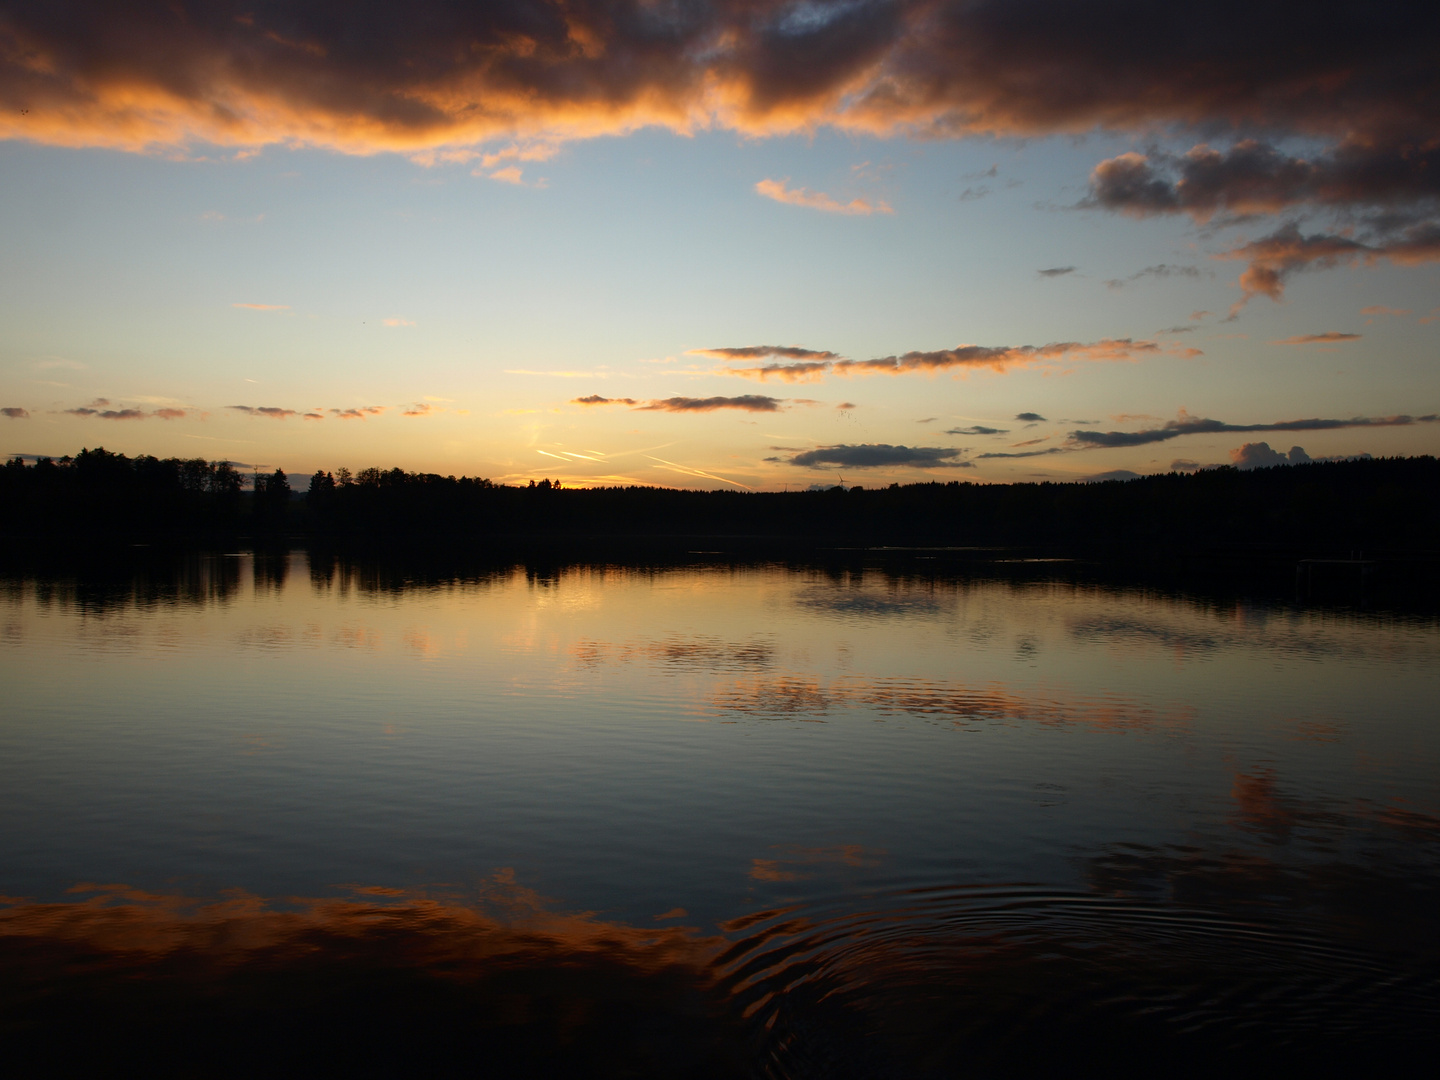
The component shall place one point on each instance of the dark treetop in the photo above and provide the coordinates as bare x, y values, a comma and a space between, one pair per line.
1386, 505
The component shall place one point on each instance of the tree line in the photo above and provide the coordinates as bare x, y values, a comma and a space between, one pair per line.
1318, 508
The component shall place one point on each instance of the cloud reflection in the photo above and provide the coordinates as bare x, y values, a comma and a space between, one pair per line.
958, 705
700, 653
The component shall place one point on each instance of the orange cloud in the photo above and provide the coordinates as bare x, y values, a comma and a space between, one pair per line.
759, 352
963, 357
1287, 251
818, 200
805, 371
511, 174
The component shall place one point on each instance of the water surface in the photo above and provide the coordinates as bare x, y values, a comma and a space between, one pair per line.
745, 819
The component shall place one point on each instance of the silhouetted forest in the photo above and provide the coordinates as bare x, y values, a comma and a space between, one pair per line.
1319, 509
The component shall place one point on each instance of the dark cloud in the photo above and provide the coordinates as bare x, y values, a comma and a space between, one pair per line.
1021, 453
596, 399
1185, 465
430, 74
1113, 474
108, 414
1330, 337
977, 429
100, 410
881, 455
1031, 417
1275, 257
1357, 88
1254, 177
1177, 330
1056, 271
744, 402
14, 412
1383, 186
1188, 425
271, 411
364, 412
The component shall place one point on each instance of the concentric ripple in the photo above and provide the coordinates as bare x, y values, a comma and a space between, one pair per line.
1026, 981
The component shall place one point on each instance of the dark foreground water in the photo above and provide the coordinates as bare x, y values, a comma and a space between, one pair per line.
269, 814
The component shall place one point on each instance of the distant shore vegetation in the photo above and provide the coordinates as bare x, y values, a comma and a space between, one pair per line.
1317, 507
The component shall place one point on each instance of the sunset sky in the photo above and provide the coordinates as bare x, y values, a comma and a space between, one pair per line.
721, 242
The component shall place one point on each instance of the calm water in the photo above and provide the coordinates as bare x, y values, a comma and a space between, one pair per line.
735, 821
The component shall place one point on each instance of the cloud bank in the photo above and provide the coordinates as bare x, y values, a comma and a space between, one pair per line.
429, 75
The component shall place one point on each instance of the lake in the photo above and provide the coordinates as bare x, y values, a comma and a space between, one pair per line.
884, 816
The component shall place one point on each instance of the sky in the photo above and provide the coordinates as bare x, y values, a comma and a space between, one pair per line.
721, 243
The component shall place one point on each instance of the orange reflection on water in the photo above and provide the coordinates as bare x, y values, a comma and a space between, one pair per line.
378, 978
780, 868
